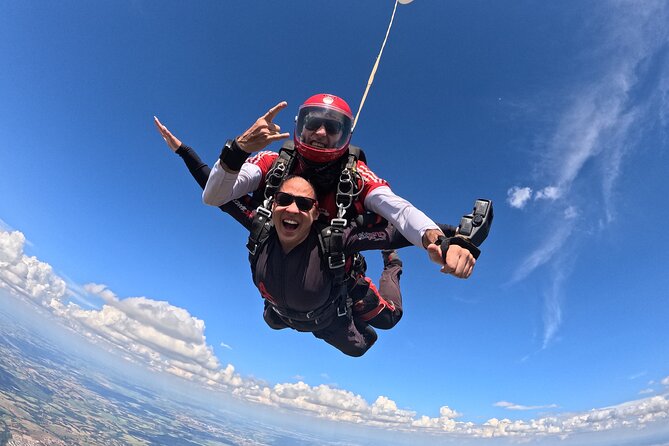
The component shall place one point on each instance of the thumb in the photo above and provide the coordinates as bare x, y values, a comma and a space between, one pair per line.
434, 252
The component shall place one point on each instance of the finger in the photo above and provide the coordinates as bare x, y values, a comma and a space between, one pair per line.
468, 262
163, 130
278, 137
275, 110
158, 124
461, 269
259, 129
468, 266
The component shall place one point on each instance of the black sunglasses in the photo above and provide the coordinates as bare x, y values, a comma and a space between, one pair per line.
286, 199
331, 127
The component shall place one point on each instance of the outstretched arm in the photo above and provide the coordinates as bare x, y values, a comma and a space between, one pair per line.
382, 236
420, 231
240, 209
231, 177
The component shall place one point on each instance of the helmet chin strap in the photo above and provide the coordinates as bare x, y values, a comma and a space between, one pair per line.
376, 64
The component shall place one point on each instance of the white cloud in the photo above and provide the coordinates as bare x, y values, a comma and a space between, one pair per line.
514, 406
27, 275
444, 422
517, 197
599, 127
4, 226
637, 375
544, 253
570, 213
548, 193
163, 337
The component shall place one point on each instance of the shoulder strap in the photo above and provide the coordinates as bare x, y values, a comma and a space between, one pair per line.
280, 169
357, 152
348, 187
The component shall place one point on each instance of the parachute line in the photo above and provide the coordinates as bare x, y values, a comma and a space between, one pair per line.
376, 66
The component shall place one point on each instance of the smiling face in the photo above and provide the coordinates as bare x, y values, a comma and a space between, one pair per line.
322, 132
291, 223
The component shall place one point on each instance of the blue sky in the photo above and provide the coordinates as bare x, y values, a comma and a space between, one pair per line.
556, 112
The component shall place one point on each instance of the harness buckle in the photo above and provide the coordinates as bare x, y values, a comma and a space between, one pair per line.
337, 261
264, 211
339, 222
341, 311
310, 314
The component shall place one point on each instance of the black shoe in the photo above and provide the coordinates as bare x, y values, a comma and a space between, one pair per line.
390, 258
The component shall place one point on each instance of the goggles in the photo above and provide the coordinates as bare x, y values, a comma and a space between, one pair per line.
332, 127
285, 199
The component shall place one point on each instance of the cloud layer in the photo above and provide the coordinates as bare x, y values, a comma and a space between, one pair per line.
163, 337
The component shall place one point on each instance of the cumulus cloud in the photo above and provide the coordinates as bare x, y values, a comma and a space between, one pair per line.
27, 275
161, 335
167, 338
181, 350
517, 197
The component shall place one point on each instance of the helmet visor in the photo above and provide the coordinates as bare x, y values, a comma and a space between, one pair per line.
323, 128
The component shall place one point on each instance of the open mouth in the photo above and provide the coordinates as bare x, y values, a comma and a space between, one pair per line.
317, 144
290, 224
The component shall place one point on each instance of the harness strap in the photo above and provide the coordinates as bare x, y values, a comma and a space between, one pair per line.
317, 316
280, 169
348, 188
260, 227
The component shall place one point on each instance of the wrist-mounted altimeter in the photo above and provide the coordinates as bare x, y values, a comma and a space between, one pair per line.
473, 229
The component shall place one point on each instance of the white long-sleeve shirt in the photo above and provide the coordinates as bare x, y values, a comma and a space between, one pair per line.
223, 186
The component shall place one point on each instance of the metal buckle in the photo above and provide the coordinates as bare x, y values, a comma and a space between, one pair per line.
310, 314
339, 222
253, 250
341, 312
264, 211
336, 262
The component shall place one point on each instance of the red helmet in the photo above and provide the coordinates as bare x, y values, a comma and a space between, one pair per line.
323, 128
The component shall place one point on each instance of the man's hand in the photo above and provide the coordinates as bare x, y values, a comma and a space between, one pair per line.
459, 261
172, 141
263, 132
